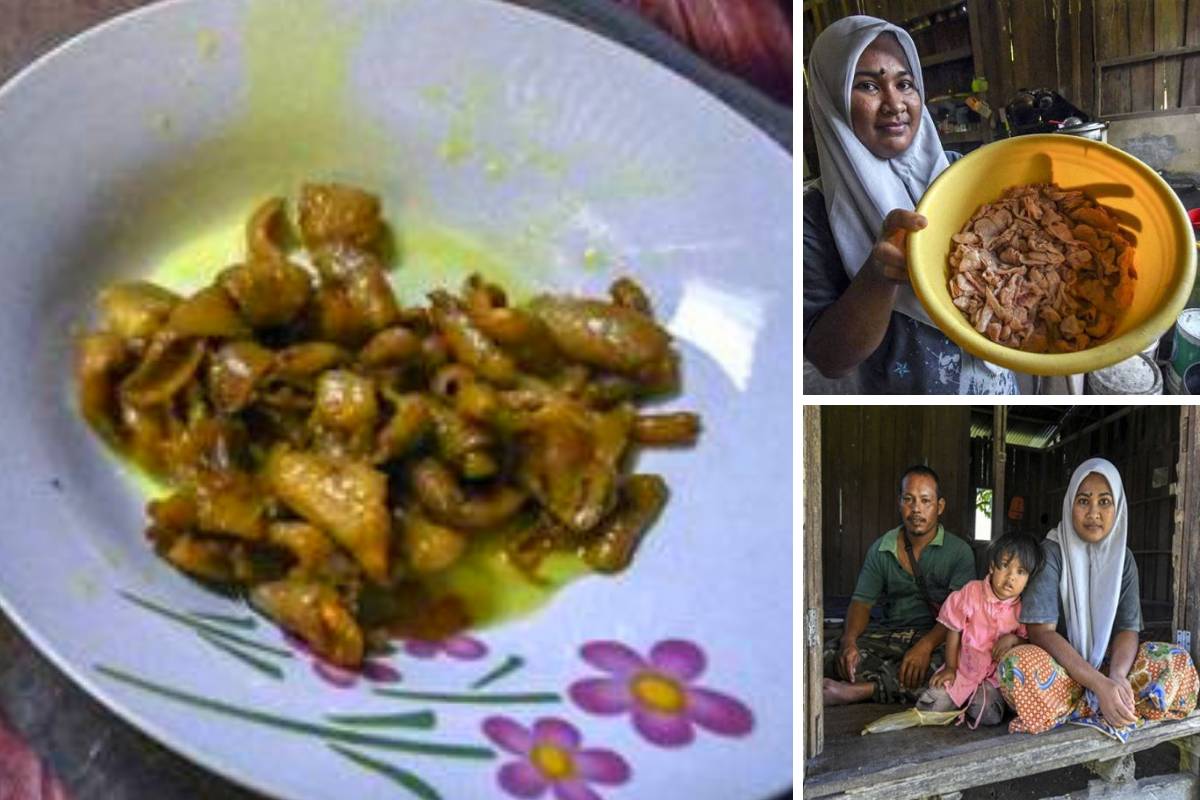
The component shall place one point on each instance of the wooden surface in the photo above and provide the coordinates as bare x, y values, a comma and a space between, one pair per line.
813, 627
864, 449
999, 460
922, 761
1189, 88
1187, 575
1025, 44
97, 755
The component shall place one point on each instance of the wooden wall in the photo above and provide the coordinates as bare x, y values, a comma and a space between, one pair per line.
1115, 59
1028, 44
1139, 28
864, 449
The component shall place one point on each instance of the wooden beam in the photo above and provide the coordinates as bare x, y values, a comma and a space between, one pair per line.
1171, 112
1159, 787
980, 762
1110, 418
1141, 40
1074, 19
958, 54
1179, 565
1187, 530
1168, 35
999, 431
814, 734
1189, 89
1171, 52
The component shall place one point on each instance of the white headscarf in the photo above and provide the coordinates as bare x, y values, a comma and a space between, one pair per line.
859, 187
1090, 583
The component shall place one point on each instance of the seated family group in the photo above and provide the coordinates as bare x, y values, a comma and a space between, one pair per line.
1051, 631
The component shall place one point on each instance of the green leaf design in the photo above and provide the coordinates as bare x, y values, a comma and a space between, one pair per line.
415, 719
510, 665
263, 666
245, 623
472, 698
183, 619
295, 725
401, 776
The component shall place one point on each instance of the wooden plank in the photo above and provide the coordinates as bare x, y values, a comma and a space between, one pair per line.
1189, 586
1141, 58
1171, 112
1168, 33
877, 462
957, 444
814, 733
854, 511
1189, 87
1175, 786
833, 420
1070, 43
1141, 41
979, 762
1002, 44
1034, 61
1083, 29
957, 54
1179, 566
999, 425
1112, 22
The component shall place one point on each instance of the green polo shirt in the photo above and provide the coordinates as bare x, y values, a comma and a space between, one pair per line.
947, 564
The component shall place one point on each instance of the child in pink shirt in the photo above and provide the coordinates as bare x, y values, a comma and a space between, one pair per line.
982, 620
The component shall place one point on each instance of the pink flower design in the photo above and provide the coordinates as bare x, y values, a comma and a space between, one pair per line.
460, 646
552, 757
659, 692
373, 670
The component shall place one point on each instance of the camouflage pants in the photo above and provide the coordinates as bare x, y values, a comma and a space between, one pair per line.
881, 651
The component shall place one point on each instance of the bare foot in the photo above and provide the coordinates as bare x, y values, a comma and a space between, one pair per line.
840, 693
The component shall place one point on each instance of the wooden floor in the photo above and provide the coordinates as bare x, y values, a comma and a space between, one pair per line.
921, 761
848, 753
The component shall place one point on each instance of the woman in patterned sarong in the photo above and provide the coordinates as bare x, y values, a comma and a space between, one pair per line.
1083, 663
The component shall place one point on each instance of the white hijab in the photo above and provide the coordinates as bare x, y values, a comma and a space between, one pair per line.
1090, 583
859, 187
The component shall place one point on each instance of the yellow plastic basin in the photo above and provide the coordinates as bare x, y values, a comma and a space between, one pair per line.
1145, 204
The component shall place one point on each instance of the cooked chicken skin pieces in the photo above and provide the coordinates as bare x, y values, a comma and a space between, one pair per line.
1042, 269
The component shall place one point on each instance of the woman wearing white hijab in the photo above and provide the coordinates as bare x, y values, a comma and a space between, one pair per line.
1083, 614
878, 151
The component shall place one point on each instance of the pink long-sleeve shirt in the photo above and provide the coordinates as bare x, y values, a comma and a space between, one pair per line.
982, 618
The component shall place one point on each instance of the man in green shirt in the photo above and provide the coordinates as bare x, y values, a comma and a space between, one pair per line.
891, 661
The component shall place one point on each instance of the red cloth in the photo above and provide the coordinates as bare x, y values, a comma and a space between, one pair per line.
24, 776
751, 38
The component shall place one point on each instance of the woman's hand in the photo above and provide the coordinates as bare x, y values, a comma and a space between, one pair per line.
944, 678
888, 258
1004, 644
1116, 701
